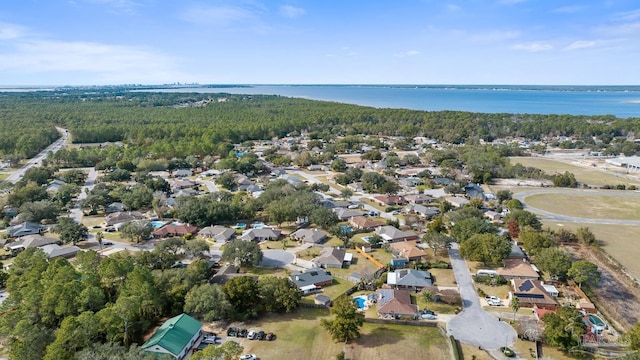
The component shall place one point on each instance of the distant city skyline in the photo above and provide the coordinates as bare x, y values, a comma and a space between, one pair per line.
110, 42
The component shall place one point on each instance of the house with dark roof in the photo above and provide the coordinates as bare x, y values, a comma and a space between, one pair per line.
365, 223
263, 234
418, 198
25, 228
182, 173
391, 234
174, 230
30, 241
331, 257
426, 211
54, 251
311, 280
310, 236
218, 233
122, 217
115, 207
396, 304
176, 337
531, 293
345, 214
409, 279
473, 190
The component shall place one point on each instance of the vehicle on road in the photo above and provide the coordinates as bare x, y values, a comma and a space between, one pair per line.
251, 335
427, 315
248, 357
107, 243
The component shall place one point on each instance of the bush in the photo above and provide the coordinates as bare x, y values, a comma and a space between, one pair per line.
456, 349
507, 352
439, 265
491, 280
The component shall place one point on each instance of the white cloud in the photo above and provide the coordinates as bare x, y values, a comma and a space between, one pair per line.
108, 63
533, 47
291, 12
581, 44
11, 31
217, 15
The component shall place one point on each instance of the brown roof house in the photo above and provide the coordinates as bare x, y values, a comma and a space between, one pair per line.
310, 236
407, 249
530, 293
365, 223
173, 230
517, 269
390, 200
396, 304
331, 257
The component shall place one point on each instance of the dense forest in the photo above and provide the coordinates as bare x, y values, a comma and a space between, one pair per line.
166, 125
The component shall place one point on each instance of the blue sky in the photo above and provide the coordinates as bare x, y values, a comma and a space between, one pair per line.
87, 42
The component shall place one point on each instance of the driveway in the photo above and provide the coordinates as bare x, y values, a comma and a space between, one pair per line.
474, 326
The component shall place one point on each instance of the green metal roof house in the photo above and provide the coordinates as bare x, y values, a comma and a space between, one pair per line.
176, 337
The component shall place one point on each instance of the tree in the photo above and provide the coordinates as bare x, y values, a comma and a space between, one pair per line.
437, 224
70, 231
514, 204
585, 236
346, 322
75, 333
196, 248
524, 218
28, 193
227, 180
338, 165
279, 295
208, 302
584, 271
112, 351
373, 155
534, 242
39, 210
515, 306
99, 238
554, 261
323, 217
503, 195
229, 350
244, 295
565, 180
632, 337
564, 327
346, 193
140, 197
39, 175
136, 231
242, 253
487, 248
437, 241
467, 227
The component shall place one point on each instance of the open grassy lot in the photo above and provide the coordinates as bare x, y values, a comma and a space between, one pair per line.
619, 241
591, 176
588, 206
299, 336
3, 176
522, 347
443, 277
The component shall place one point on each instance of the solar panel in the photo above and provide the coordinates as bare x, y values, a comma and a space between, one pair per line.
526, 286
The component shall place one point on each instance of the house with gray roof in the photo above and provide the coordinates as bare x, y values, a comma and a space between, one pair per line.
260, 234
391, 234
25, 228
310, 236
409, 279
426, 211
30, 241
345, 214
218, 233
311, 280
176, 337
54, 251
331, 257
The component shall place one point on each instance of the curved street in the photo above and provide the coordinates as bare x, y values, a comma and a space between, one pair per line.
474, 326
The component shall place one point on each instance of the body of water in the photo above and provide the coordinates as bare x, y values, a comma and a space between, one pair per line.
620, 101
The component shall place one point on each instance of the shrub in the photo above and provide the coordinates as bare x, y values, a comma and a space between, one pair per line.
507, 352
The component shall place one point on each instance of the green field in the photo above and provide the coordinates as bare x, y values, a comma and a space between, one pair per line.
591, 176
619, 241
299, 336
588, 206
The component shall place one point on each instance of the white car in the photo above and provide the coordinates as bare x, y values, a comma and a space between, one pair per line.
493, 300
248, 357
252, 335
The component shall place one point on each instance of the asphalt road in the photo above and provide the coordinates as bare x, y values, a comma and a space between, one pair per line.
474, 326
565, 218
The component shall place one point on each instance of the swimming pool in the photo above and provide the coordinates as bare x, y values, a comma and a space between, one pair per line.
361, 302
156, 224
596, 322
366, 238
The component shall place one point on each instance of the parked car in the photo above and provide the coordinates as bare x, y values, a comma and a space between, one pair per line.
493, 300
232, 331
107, 243
251, 335
242, 333
395, 212
209, 338
271, 336
261, 335
248, 357
430, 312
427, 315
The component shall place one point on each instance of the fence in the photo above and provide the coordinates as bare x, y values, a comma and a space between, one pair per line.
401, 322
371, 258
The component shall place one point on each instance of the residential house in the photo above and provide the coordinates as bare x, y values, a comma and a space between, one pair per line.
355, 187
218, 233
517, 269
180, 173
396, 304
122, 217
174, 230
291, 179
318, 167
391, 234
175, 337
456, 201
516, 252
332, 204
409, 279
182, 184
260, 234
493, 216
310, 236
25, 228
55, 185
389, 200
531, 293
407, 249
474, 191
30, 241
426, 211
418, 198
410, 182
54, 251
225, 274
345, 214
331, 257
311, 280
365, 223
115, 207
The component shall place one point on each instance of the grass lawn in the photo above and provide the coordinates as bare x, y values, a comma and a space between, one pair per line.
472, 352
277, 245
522, 347
373, 203
333, 292
591, 176
443, 277
438, 307
90, 221
299, 336
619, 241
260, 271
360, 265
3, 176
500, 291
309, 253
325, 180
595, 207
